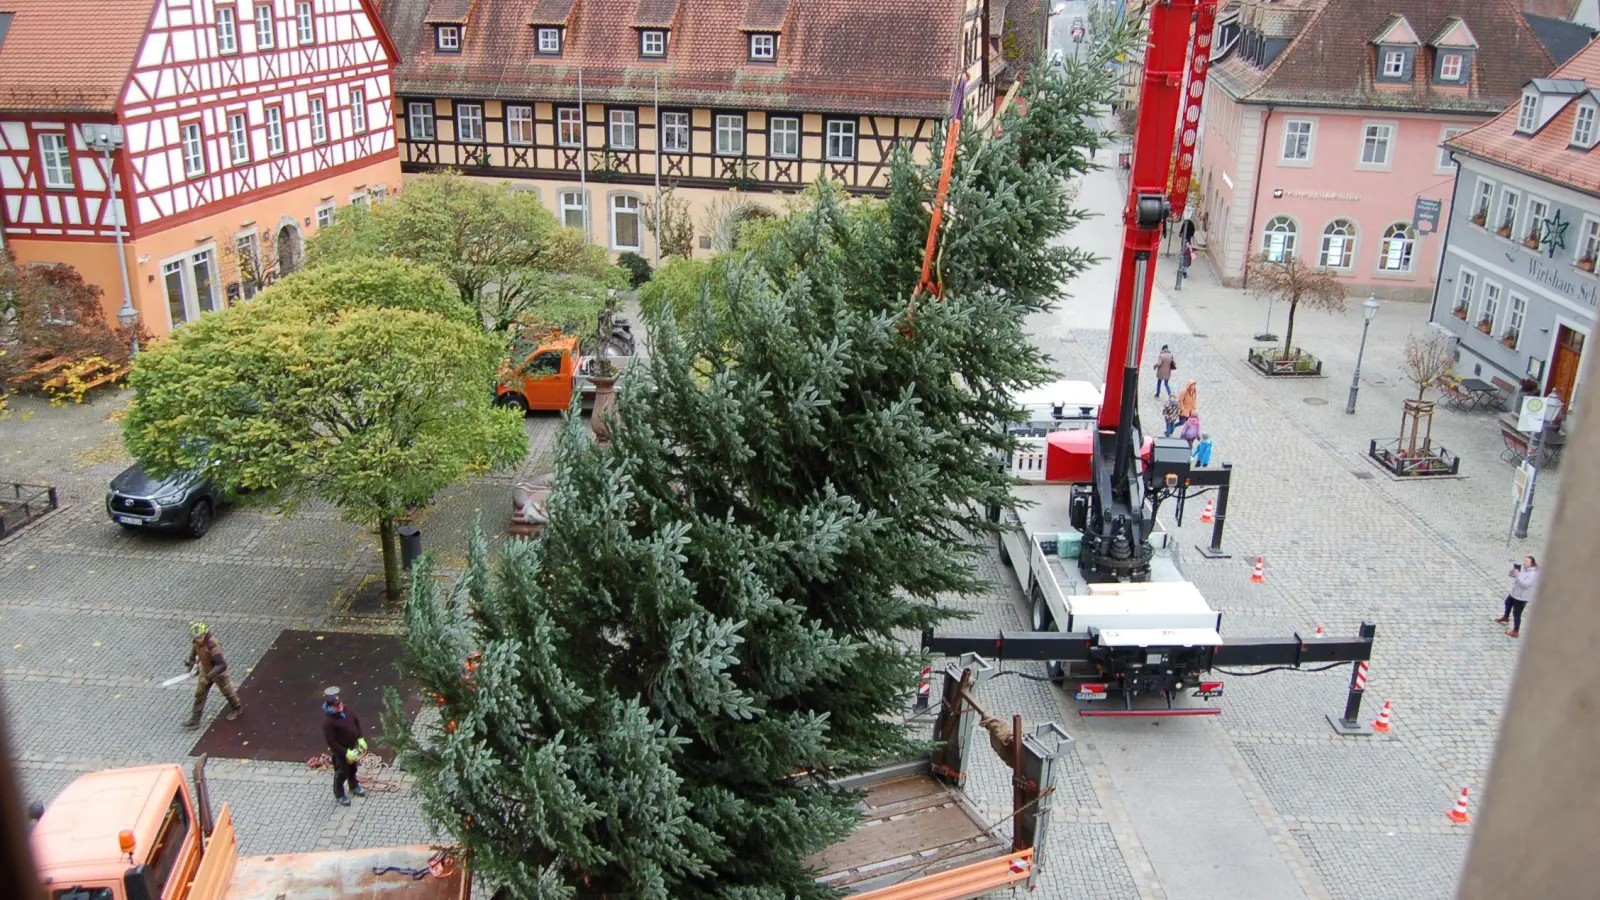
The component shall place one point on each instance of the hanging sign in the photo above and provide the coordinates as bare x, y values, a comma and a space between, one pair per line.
1425, 218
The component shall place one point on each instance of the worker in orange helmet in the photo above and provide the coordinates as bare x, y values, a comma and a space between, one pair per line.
205, 655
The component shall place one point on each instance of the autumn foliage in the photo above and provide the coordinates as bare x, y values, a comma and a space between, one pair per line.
54, 332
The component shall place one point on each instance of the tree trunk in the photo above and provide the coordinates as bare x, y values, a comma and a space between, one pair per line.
1288, 330
393, 585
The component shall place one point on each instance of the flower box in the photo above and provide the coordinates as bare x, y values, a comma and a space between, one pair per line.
1480, 219
1510, 340
1486, 326
1430, 460
1586, 264
1531, 242
1276, 362
1461, 313
1504, 231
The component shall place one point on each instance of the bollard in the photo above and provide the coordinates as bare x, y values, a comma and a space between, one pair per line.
1215, 551
1351, 724
410, 544
924, 688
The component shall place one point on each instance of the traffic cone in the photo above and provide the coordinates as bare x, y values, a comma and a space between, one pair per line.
1381, 723
1459, 814
1259, 576
1206, 515
1319, 632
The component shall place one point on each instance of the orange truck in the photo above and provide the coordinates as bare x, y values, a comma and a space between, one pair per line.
547, 378
143, 834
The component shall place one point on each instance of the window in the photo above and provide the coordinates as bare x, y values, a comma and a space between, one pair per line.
168, 847
358, 110
1513, 331
730, 135
194, 152
625, 222
519, 124
549, 40
675, 132
1482, 202
1528, 113
319, 120
189, 282
227, 31
238, 139
1394, 63
764, 47
325, 214
264, 27
1533, 226
1450, 67
1450, 131
784, 137
574, 210
1466, 285
1338, 244
841, 140
469, 122
1297, 140
361, 199
380, 194
419, 121
569, 127
1491, 306
652, 43
247, 250
450, 38
1394, 255
624, 129
1375, 145
1278, 240
274, 131
302, 17
57, 161
1583, 126
1588, 242
1510, 203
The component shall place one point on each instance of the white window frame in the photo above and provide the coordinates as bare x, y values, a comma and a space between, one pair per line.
653, 43
307, 28
1528, 113
420, 114
449, 39
380, 194
1309, 138
1514, 206
764, 47
1484, 200
726, 125
565, 206
1466, 288
1588, 239
569, 117
1489, 308
1445, 69
247, 244
238, 138
622, 129
1408, 249
319, 120
1443, 164
360, 198
1289, 247
358, 110
227, 30
519, 125
192, 140
325, 213
617, 207
1389, 129
1516, 316
274, 124
265, 27
469, 113
786, 128
57, 173
1347, 248
1394, 63
183, 265
835, 130
1582, 137
549, 41
1530, 220
677, 125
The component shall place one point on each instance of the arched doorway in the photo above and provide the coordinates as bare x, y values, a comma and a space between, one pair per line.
289, 250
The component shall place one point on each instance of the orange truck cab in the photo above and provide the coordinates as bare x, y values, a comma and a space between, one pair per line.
137, 834
545, 378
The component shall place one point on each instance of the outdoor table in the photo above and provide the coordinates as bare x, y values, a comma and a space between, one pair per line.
1479, 390
1551, 443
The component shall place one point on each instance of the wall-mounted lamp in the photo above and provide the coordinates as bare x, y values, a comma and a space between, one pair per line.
144, 260
1277, 193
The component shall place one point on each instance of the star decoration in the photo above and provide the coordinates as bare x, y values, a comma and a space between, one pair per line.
1555, 235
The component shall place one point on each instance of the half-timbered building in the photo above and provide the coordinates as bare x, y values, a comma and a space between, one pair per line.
217, 133
592, 103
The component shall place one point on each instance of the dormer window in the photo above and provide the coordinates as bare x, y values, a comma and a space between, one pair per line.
653, 42
1528, 114
1450, 67
1583, 125
764, 47
449, 39
550, 41
1394, 63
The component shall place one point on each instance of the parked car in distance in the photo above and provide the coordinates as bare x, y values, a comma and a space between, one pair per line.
186, 503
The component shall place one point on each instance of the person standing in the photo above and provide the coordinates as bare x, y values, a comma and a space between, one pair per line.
1524, 585
1165, 364
1185, 260
205, 654
1191, 430
1202, 452
1188, 399
1169, 414
341, 728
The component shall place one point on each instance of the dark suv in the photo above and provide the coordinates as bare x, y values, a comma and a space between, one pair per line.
186, 502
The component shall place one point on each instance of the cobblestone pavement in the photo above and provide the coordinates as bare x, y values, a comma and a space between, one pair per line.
95, 618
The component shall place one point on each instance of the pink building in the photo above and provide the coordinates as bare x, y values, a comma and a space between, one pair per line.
1324, 123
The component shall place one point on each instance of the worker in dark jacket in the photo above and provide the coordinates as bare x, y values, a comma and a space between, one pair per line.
206, 654
341, 728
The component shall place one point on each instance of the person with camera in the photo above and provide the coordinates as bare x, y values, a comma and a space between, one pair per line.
1524, 584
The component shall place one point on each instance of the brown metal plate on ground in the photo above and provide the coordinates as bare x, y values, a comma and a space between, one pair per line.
282, 696
911, 826
346, 875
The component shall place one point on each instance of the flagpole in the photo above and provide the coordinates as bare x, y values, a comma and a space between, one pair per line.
658, 168
583, 159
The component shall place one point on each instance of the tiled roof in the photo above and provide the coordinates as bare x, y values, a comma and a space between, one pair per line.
1331, 62
548, 12
453, 12
1562, 38
69, 55
660, 13
867, 56
764, 15
1545, 153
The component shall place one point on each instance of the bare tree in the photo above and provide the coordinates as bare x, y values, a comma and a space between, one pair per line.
1427, 360
668, 220
251, 264
1288, 280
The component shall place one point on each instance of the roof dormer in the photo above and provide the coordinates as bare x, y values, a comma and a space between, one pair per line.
1397, 45
551, 20
1542, 98
654, 21
448, 19
1454, 50
1586, 122
763, 26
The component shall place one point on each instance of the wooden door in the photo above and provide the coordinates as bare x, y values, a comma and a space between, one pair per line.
1564, 369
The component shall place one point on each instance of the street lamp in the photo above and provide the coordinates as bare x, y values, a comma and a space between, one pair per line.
1370, 309
108, 139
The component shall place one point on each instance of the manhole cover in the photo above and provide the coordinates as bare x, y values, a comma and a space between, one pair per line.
1314, 401
1364, 476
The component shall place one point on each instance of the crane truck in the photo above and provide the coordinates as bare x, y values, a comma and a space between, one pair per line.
1110, 609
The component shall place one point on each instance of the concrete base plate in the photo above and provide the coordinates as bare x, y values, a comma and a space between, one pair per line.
1208, 553
1342, 727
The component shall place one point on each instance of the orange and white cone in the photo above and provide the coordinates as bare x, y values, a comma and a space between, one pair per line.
1459, 814
1259, 576
1381, 723
1320, 635
1206, 514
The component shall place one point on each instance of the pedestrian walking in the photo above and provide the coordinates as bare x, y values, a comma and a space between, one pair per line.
1191, 430
1202, 452
1188, 400
341, 728
1524, 585
1186, 230
1169, 414
1166, 363
205, 657
1185, 260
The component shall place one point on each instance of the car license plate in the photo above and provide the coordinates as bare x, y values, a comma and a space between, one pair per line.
129, 520
1091, 695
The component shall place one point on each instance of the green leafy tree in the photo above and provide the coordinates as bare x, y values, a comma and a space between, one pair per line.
680, 287
359, 383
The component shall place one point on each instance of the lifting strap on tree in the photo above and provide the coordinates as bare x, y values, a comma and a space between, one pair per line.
951, 138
